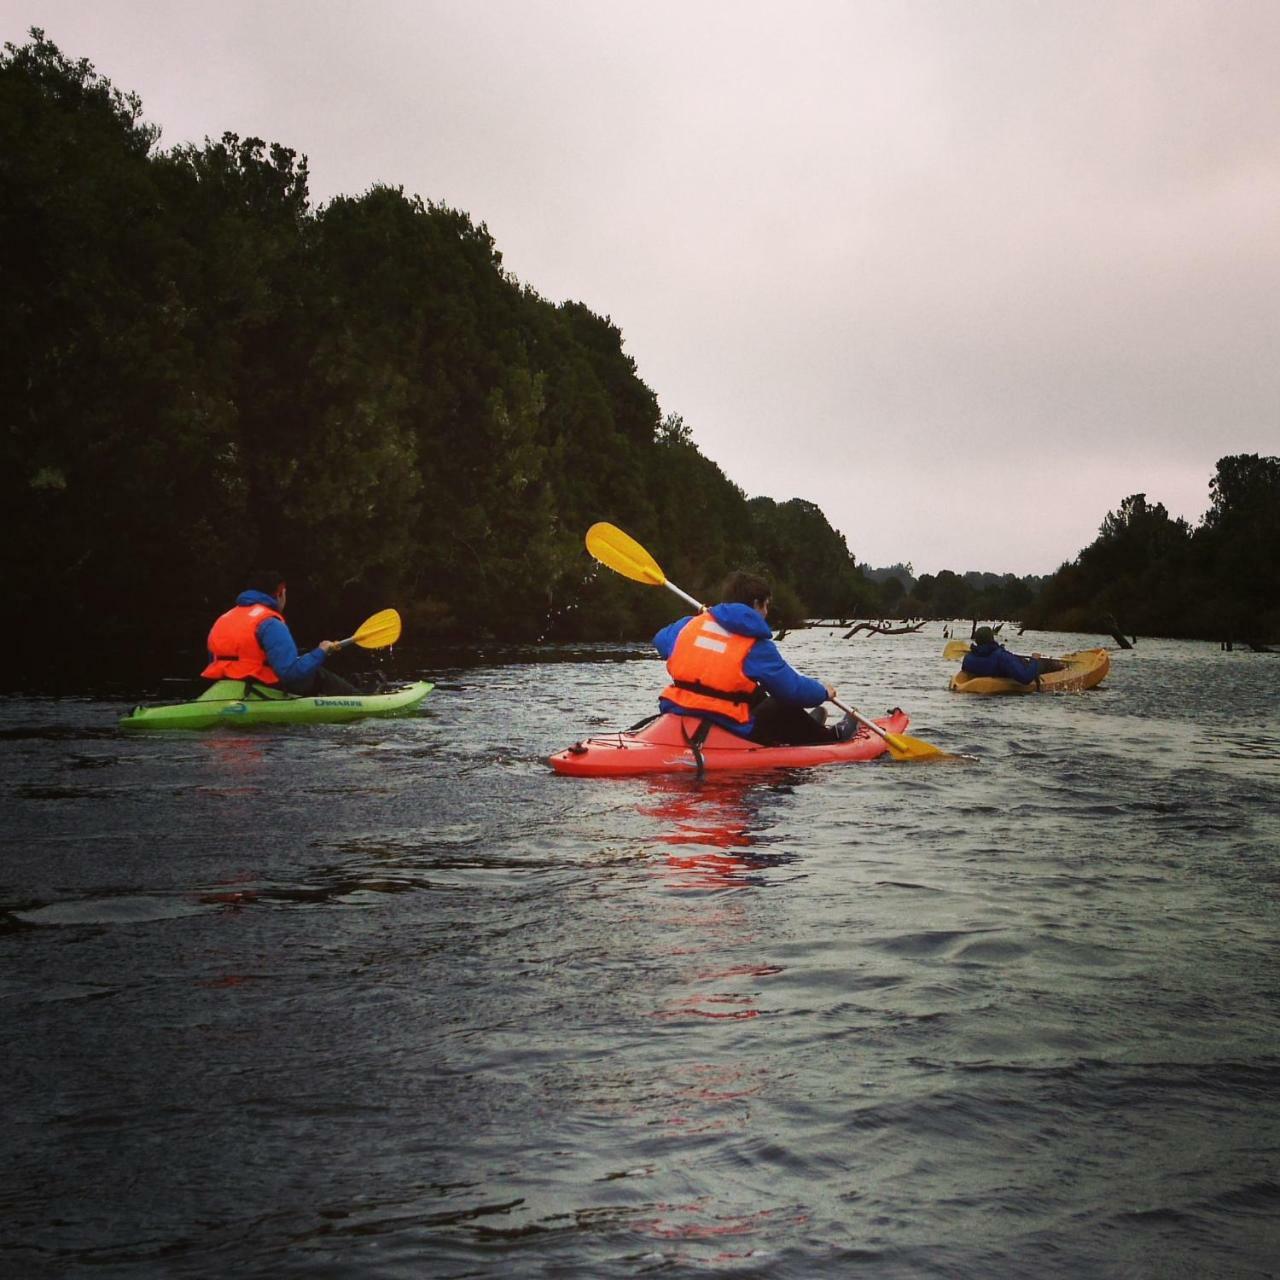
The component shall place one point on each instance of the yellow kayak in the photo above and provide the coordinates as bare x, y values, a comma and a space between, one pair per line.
1084, 669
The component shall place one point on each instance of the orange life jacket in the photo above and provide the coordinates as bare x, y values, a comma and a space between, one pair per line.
706, 670
234, 651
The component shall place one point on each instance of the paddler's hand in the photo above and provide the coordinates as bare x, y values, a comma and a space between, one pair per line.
330, 646
831, 692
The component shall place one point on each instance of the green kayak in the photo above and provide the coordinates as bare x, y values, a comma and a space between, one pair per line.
230, 702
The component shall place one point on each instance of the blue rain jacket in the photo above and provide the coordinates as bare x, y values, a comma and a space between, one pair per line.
764, 664
294, 669
995, 660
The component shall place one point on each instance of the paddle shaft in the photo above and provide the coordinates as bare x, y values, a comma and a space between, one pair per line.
860, 718
684, 595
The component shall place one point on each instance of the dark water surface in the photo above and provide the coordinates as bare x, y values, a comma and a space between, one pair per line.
392, 999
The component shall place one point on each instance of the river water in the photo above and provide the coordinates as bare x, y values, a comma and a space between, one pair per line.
393, 999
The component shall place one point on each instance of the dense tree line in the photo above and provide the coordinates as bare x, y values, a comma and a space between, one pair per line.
1159, 576
204, 373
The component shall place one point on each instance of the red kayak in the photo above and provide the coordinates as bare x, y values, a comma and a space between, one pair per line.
664, 746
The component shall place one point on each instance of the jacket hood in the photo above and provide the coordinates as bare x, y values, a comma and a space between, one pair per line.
742, 620
258, 597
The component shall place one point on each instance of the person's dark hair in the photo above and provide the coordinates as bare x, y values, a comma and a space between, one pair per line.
984, 635
741, 587
267, 581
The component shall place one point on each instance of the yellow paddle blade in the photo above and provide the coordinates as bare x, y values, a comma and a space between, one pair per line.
624, 555
955, 650
904, 747
901, 745
379, 631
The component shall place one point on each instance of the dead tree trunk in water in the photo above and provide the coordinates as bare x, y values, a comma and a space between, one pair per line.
1116, 634
871, 629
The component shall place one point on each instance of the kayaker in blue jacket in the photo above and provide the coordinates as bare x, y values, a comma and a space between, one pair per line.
725, 668
252, 641
987, 657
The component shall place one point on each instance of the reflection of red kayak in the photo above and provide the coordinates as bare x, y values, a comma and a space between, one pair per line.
662, 747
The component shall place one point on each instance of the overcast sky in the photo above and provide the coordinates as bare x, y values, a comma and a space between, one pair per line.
965, 273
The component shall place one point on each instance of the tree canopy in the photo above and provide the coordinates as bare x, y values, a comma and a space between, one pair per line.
206, 373
1157, 575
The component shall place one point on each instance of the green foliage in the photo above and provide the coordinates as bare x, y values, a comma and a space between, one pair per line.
796, 542
116, 439
952, 595
203, 374
892, 591
904, 574
1156, 575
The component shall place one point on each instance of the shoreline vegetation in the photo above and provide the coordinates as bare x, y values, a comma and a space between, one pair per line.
204, 372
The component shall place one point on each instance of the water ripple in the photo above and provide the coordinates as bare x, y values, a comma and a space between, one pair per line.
392, 999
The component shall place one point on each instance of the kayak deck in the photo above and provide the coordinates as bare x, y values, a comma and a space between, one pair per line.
662, 747
1085, 669
240, 704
